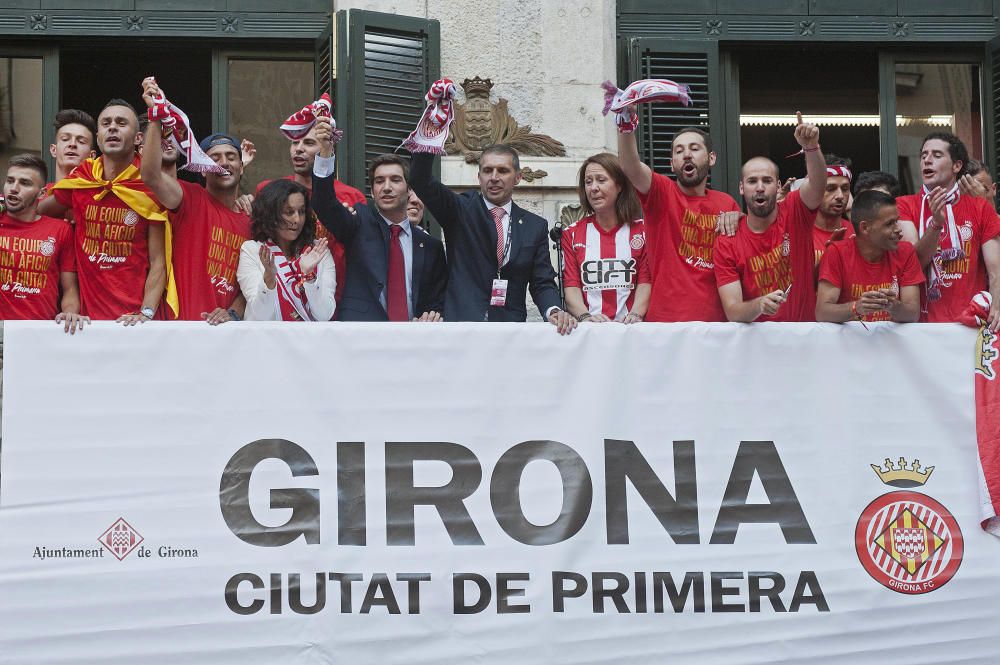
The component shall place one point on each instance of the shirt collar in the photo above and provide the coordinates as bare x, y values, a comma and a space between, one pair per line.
404, 225
506, 206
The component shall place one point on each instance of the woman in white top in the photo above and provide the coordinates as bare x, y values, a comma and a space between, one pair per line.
283, 273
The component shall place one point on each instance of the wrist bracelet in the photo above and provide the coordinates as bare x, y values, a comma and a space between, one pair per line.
233, 315
812, 149
583, 317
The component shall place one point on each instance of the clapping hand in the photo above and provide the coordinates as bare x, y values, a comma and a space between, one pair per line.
270, 274
313, 255
247, 152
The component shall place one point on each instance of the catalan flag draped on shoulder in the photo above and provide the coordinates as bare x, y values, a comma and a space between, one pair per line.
133, 192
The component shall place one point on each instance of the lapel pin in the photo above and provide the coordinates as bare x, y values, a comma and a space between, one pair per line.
421, 244
520, 221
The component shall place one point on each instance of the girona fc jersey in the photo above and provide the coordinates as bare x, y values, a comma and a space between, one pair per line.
606, 265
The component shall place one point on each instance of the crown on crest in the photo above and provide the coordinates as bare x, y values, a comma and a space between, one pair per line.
477, 86
903, 474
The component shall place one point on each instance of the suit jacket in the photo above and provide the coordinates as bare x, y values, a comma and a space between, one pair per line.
365, 236
471, 240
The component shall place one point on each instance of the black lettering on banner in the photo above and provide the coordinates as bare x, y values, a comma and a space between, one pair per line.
234, 495
345, 580
719, 593
560, 592
679, 517
693, 582
461, 605
505, 492
783, 509
351, 517
295, 594
401, 496
807, 579
275, 593
379, 594
413, 581
505, 592
771, 593
232, 590
616, 593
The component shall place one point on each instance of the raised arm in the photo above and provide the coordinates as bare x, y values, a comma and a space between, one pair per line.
166, 188
640, 175
807, 136
337, 219
444, 204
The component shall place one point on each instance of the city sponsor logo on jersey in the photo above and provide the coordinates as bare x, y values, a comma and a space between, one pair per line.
906, 540
48, 247
600, 274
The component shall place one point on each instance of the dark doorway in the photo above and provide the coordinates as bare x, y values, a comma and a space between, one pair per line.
91, 75
840, 95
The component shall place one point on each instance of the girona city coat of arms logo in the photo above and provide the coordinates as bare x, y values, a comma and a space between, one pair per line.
905, 540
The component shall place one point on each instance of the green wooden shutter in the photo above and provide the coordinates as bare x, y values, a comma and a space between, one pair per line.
992, 99
692, 63
386, 64
324, 62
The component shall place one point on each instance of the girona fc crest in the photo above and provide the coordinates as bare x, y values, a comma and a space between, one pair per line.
131, 218
48, 247
965, 231
120, 539
637, 241
906, 540
786, 246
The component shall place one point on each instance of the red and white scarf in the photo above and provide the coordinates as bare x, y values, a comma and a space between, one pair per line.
951, 241
432, 130
177, 130
987, 365
621, 102
291, 286
299, 123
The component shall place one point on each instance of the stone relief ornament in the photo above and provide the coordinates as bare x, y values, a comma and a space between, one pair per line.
570, 214
480, 123
529, 174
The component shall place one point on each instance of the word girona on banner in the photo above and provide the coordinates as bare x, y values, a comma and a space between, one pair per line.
697, 493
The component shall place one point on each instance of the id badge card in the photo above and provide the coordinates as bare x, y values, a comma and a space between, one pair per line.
498, 296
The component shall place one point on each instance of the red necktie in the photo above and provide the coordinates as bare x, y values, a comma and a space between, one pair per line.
498, 214
395, 293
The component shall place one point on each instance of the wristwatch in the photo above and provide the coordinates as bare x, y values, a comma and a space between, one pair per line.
148, 312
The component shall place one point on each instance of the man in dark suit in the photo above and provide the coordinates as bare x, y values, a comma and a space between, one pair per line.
395, 270
496, 250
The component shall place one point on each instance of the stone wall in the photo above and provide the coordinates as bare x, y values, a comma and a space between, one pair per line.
547, 58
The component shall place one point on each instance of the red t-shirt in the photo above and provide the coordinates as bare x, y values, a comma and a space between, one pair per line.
780, 257
606, 266
207, 237
32, 254
345, 194
963, 278
680, 235
844, 267
821, 237
112, 252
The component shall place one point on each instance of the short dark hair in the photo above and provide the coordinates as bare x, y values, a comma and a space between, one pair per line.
29, 161
502, 149
120, 102
265, 214
388, 158
877, 179
975, 167
75, 117
867, 205
836, 160
956, 149
693, 130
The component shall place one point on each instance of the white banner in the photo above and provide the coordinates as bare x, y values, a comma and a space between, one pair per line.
460, 493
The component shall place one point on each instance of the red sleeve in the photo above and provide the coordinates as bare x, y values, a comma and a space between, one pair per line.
189, 191
261, 185
912, 274
643, 276
906, 211
990, 224
802, 216
349, 195
67, 253
571, 266
656, 198
724, 254
831, 266
64, 197
731, 204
